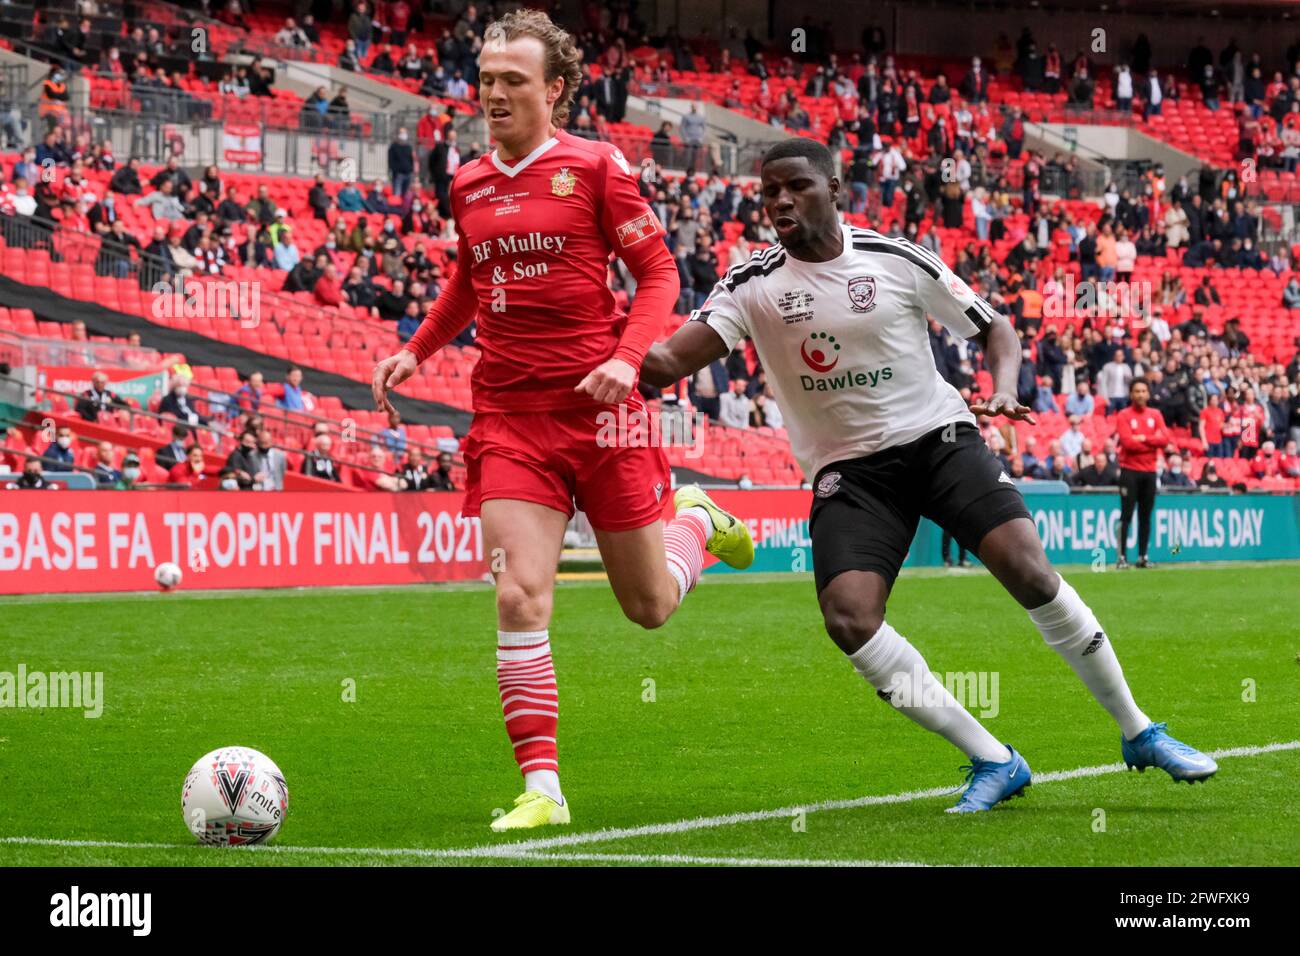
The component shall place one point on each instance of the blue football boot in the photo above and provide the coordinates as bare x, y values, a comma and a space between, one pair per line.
990, 783
1155, 748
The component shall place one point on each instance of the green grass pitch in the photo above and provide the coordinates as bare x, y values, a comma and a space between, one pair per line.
740, 705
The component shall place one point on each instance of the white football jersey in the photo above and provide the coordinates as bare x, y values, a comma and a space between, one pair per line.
845, 343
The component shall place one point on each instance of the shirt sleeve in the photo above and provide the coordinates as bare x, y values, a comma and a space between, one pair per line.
942, 294
635, 234
723, 313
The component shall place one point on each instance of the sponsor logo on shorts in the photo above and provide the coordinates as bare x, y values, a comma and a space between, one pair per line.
862, 293
1004, 477
829, 484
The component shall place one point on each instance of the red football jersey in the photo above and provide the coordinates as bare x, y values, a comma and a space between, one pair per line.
536, 236
1141, 435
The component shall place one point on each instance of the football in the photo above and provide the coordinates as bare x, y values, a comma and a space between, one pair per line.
168, 575
234, 796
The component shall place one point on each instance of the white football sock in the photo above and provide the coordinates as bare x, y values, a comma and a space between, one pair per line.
1071, 629
892, 665
703, 515
546, 781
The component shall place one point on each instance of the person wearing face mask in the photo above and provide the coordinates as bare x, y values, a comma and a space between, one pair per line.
401, 163
242, 463
1174, 476
178, 404
31, 478
59, 456
131, 473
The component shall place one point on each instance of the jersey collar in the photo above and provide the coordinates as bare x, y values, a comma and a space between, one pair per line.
524, 163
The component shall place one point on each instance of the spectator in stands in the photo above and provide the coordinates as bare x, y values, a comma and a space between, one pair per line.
58, 454
98, 398
163, 203
292, 35
32, 477
285, 250
1114, 381
376, 477
1291, 294
243, 462
327, 289
1080, 403
1210, 479
178, 405
1279, 412
318, 198
269, 463
394, 434
693, 129
440, 480
131, 473
1072, 439
1206, 294
350, 198
735, 406
401, 163
318, 463
126, 180
191, 470
249, 395
413, 474
1173, 476
173, 451
105, 472
293, 396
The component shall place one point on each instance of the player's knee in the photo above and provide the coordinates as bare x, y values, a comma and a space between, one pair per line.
649, 612
522, 606
851, 624
1036, 581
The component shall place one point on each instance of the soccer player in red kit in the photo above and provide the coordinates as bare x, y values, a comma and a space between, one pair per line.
537, 220
1142, 434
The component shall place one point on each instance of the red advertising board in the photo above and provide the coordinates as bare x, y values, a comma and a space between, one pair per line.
67, 541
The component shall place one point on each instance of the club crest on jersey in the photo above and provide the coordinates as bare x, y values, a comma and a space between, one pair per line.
562, 183
862, 293
956, 286
829, 484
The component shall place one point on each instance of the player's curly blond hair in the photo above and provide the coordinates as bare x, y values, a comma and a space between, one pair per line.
562, 57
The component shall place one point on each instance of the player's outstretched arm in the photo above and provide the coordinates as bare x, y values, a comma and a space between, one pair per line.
450, 313
1002, 347
690, 349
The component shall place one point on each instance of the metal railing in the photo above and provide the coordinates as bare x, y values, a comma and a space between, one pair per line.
220, 436
18, 349
32, 233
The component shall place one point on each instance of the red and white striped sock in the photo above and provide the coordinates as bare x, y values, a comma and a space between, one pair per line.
684, 540
531, 706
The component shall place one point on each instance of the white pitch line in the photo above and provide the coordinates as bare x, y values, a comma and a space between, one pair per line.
528, 849
681, 860
731, 819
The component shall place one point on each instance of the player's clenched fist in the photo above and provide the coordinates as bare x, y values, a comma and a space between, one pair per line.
610, 382
390, 373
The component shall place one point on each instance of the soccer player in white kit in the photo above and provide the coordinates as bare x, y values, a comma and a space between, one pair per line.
838, 317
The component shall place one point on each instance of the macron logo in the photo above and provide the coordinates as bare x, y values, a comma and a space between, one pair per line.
103, 909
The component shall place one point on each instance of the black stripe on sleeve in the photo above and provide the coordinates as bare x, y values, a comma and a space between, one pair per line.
978, 318
893, 250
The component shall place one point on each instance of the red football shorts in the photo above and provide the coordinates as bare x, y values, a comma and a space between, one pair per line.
559, 458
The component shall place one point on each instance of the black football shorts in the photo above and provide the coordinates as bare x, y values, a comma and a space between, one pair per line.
865, 511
